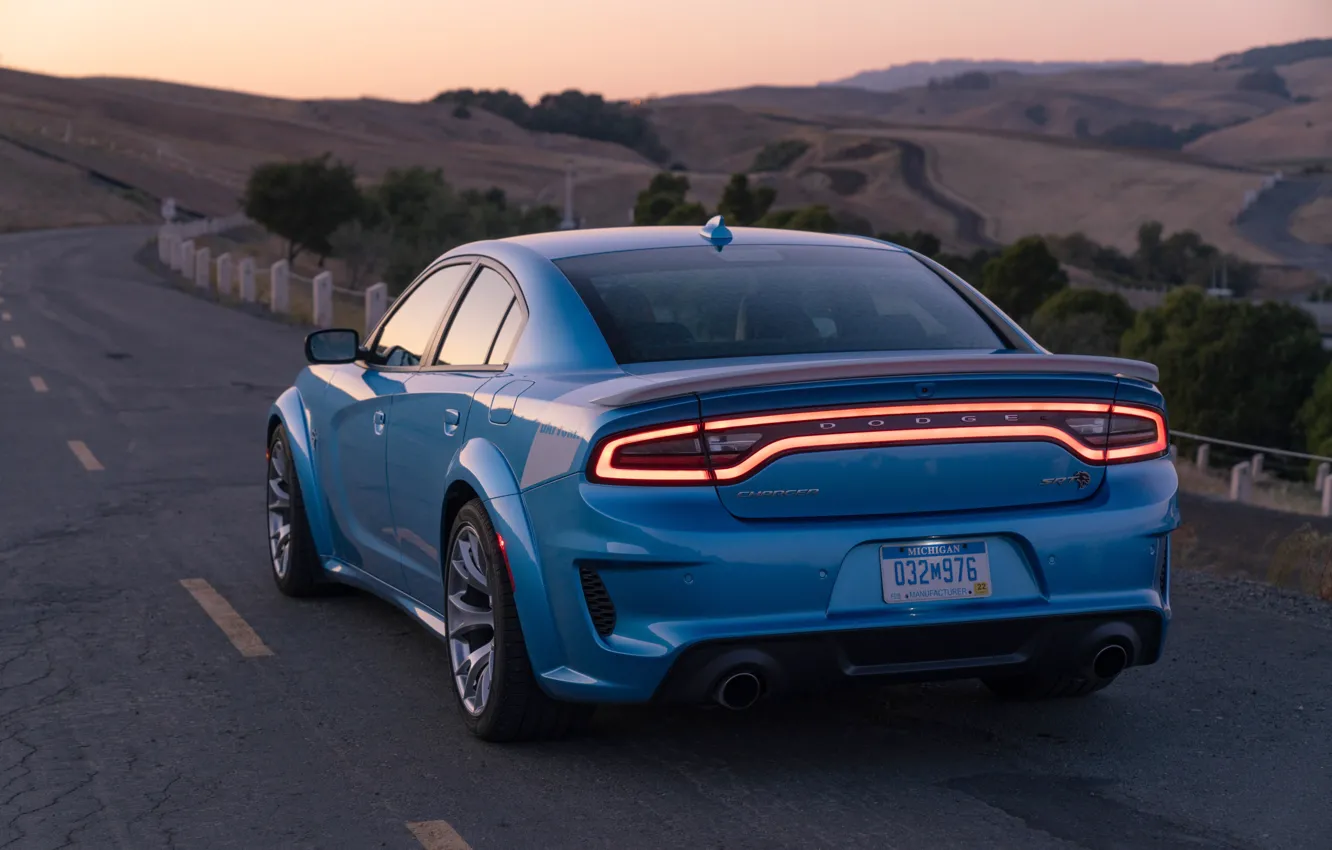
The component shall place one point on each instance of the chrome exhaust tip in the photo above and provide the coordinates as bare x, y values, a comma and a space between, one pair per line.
1110, 661
739, 691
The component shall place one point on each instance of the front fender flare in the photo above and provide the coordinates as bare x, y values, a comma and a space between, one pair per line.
292, 414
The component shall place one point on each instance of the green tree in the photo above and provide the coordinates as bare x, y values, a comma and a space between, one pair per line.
663, 194
1023, 277
817, 218
303, 202
922, 242
1316, 416
742, 205
1231, 369
1082, 321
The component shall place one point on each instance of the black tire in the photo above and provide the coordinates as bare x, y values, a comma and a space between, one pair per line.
517, 709
1030, 687
303, 570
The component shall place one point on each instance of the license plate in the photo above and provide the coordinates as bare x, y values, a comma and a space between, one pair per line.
935, 570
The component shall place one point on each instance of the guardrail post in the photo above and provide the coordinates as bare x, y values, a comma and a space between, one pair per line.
1240, 482
279, 299
1323, 469
170, 250
1204, 457
376, 303
186, 267
245, 271
1256, 464
224, 278
321, 297
203, 268
1327, 496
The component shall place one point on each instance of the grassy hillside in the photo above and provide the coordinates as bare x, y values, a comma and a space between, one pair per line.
198, 145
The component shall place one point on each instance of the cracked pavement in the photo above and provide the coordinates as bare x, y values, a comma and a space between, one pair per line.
128, 721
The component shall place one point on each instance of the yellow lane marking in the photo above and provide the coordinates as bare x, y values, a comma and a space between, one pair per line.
18, 341
38, 385
85, 456
438, 835
232, 625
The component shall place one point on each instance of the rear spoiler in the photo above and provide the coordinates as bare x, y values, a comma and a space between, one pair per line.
638, 389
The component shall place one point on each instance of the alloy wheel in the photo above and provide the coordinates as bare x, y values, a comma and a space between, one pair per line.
471, 620
279, 510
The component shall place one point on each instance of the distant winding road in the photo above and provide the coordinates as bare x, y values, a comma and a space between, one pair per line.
1267, 223
969, 224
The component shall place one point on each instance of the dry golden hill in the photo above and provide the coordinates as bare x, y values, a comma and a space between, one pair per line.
1024, 185
198, 145
1069, 104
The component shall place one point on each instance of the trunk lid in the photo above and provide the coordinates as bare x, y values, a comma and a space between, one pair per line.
908, 445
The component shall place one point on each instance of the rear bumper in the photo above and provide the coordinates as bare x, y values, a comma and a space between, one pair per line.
689, 582
913, 653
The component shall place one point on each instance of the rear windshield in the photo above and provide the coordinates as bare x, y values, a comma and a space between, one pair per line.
697, 302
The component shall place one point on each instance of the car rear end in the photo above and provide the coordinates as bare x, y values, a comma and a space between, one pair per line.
860, 471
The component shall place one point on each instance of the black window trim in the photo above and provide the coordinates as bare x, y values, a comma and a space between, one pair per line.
469, 261
437, 342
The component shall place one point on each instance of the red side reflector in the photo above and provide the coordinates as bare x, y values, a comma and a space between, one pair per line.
504, 553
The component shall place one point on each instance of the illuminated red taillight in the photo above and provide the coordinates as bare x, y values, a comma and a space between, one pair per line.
731, 449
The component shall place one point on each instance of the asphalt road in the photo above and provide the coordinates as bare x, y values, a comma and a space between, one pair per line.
129, 720
1267, 223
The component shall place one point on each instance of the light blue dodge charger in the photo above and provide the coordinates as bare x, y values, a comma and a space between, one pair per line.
672, 464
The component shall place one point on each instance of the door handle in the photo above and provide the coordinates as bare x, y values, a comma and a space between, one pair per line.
379, 422
451, 420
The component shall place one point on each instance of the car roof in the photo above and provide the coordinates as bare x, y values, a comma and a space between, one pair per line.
562, 244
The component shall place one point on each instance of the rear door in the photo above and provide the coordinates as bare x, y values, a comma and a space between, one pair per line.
904, 446
431, 421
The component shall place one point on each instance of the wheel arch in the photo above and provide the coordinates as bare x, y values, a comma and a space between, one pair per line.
480, 471
290, 413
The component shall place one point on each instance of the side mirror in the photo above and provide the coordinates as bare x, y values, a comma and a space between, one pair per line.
335, 345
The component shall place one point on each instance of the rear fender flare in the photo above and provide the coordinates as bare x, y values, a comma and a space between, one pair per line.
290, 412
482, 466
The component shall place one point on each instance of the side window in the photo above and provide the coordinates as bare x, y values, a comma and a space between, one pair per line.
471, 339
408, 331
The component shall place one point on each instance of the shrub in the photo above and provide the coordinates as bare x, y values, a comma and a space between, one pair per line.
1230, 369
1023, 277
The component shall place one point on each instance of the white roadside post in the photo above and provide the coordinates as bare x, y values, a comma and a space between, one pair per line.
1327, 496
1324, 469
1257, 463
224, 278
1240, 482
186, 267
321, 299
279, 300
376, 303
246, 274
163, 244
1204, 457
203, 268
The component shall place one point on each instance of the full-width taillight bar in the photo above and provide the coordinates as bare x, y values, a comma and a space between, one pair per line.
727, 450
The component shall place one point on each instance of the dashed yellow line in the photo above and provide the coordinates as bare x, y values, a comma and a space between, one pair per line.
219, 610
438, 835
85, 456
18, 341
38, 385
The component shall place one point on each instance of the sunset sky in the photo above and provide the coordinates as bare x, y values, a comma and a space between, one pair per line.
411, 49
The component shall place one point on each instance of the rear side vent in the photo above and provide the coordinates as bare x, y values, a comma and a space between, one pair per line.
599, 603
